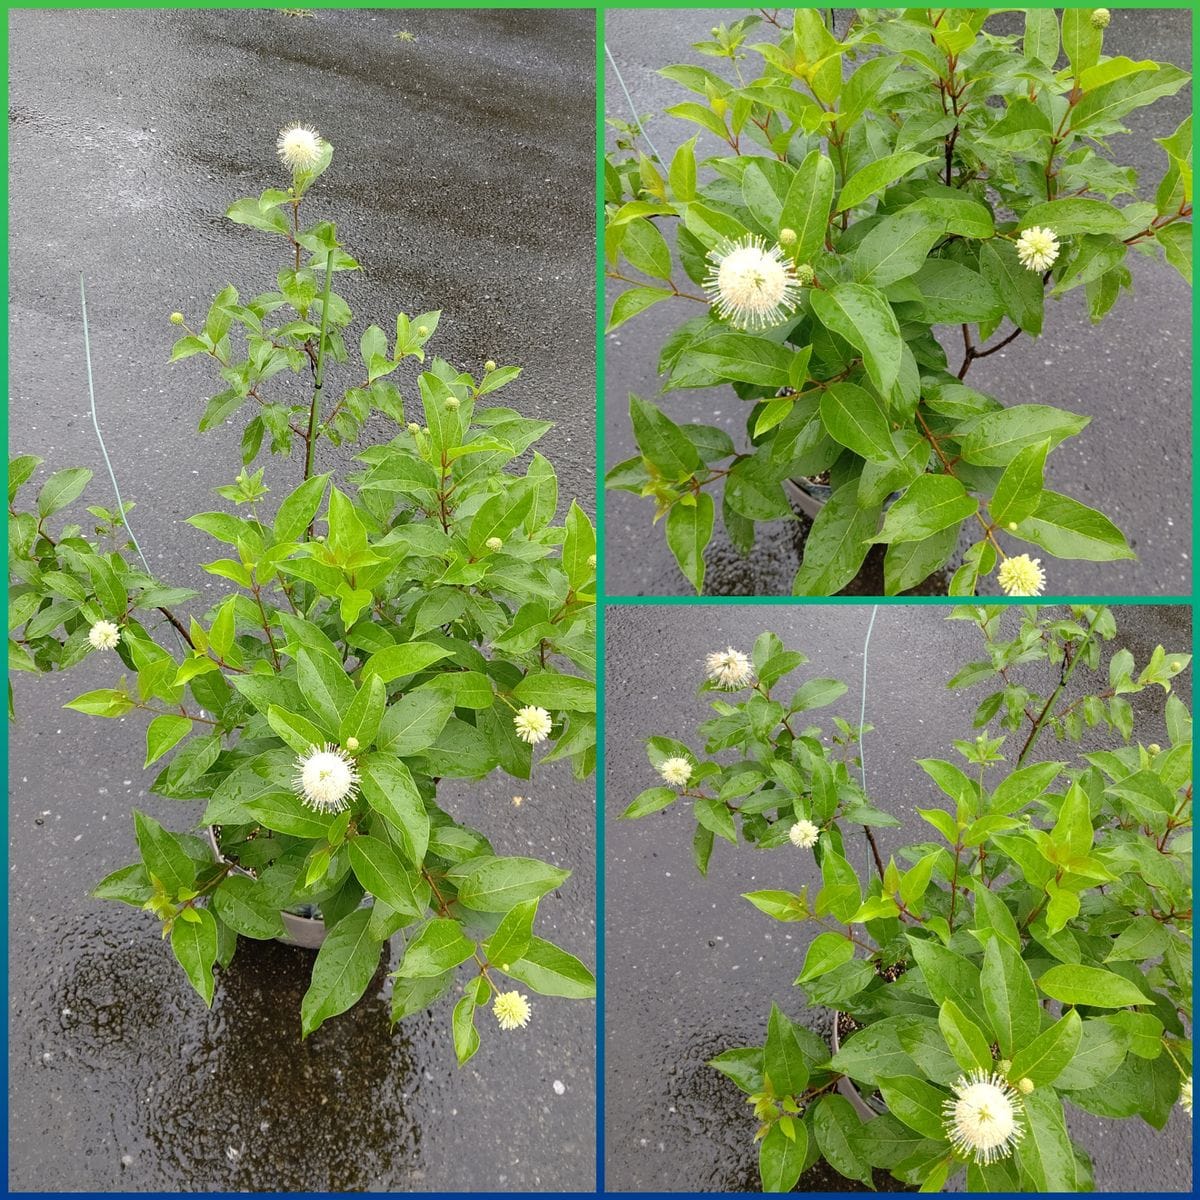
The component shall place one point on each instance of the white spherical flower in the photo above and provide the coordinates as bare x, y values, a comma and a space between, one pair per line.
532, 724
326, 779
676, 771
299, 147
730, 668
512, 1010
104, 635
983, 1121
1185, 1097
751, 285
804, 834
1021, 576
1037, 248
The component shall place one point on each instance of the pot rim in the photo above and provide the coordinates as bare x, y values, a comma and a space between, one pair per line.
308, 922
846, 1085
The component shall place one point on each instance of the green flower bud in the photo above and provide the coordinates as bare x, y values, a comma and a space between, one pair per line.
1025, 1086
489, 366
177, 318
494, 544
1154, 748
422, 331
1004, 1066
1013, 526
352, 744
414, 428
787, 237
805, 275
1100, 18
452, 404
592, 561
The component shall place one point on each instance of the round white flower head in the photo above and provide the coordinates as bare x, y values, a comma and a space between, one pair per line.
512, 1010
730, 668
983, 1122
1185, 1097
532, 724
1100, 18
1037, 248
299, 147
494, 543
804, 834
676, 771
751, 285
1021, 576
104, 635
326, 779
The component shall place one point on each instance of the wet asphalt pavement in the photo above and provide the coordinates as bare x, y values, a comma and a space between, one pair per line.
462, 179
1131, 374
691, 968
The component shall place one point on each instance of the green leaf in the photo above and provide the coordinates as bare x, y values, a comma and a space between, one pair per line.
60, 490
917, 1103
826, 952
326, 688
661, 441
1045, 1152
682, 175
1009, 997
496, 884
383, 874
104, 702
194, 943
390, 790
163, 733
806, 208
395, 662
634, 301
646, 249
714, 815
462, 1026
1024, 785
951, 293
344, 966
650, 801
783, 1059
513, 935
296, 513
1101, 1051
284, 812
994, 439
950, 976
1045, 1057
877, 175
364, 714
1068, 529
1142, 938
837, 543
853, 417
258, 214
781, 1159
1075, 216
689, 530
411, 996
550, 690
579, 546
1019, 491
836, 1125
864, 318
414, 722
439, 946
163, 854
906, 564
743, 358
551, 971
247, 908
1041, 35
1021, 291
897, 247
930, 504
1093, 986
965, 1039
296, 731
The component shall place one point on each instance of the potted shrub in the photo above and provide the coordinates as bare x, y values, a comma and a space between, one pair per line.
423, 620
887, 206
1035, 951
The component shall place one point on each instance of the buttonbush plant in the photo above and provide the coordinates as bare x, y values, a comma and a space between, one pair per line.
886, 207
424, 621
1035, 951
